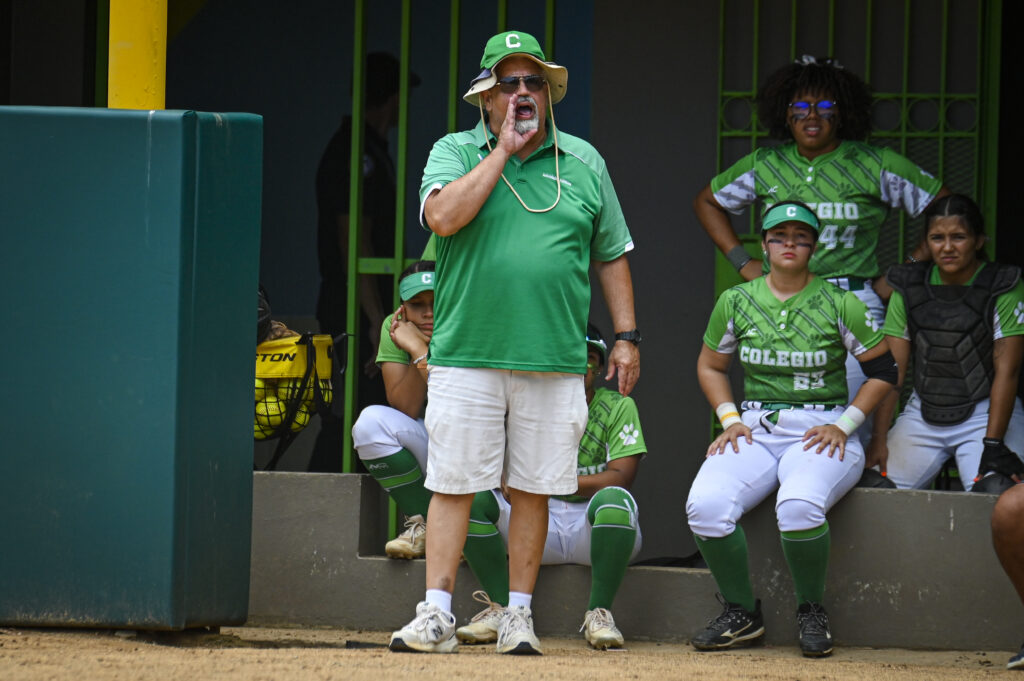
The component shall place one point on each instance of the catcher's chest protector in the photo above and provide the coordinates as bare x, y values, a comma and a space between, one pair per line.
951, 331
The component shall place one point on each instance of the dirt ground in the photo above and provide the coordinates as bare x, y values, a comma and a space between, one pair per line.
258, 654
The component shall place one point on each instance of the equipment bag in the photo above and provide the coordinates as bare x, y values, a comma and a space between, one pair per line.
291, 387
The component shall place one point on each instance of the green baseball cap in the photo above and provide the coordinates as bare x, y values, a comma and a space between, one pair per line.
515, 44
789, 211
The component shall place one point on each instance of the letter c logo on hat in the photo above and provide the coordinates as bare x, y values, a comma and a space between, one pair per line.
791, 211
512, 40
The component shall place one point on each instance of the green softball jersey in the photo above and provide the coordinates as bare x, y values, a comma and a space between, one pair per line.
792, 351
613, 431
1008, 316
851, 188
512, 288
388, 351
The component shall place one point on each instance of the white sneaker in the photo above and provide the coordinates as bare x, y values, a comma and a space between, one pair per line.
412, 543
515, 632
432, 631
483, 628
600, 631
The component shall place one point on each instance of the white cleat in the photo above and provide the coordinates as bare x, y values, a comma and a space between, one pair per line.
515, 632
600, 631
483, 628
412, 542
431, 631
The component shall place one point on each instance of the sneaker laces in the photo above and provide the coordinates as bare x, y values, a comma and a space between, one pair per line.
598, 618
727, 614
426, 615
413, 523
517, 620
814, 620
481, 596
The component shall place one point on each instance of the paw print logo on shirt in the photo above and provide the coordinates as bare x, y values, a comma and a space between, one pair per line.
1018, 312
870, 320
628, 434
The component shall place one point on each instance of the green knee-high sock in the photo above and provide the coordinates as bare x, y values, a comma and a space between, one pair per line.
806, 553
485, 549
401, 477
727, 559
612, 516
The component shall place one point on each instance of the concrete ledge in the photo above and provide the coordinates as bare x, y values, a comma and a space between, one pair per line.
909, 569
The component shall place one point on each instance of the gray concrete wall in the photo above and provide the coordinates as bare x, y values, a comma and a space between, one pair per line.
909, 569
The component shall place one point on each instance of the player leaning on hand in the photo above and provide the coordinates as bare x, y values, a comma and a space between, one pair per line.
792, 331
597, 526
523, 208
391, 439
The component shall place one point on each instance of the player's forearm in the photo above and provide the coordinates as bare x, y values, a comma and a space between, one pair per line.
454, 206
589, 485
715, 220
884, 413
871, 394
409, 394
1006, 361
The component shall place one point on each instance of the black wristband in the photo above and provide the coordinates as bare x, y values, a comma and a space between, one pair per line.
738, 256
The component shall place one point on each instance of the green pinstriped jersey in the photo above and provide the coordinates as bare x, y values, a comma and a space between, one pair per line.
851, 188
795, 350
613, 431
1007, 317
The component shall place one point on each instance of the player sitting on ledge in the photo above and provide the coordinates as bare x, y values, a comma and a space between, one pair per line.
963, 319
392, 440
597, 526
792, 331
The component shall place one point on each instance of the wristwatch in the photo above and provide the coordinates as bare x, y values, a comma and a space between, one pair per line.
631, 336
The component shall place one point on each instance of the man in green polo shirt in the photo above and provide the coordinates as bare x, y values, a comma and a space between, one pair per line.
520, 210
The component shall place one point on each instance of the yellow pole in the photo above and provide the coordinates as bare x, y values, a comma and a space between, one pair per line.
137, 72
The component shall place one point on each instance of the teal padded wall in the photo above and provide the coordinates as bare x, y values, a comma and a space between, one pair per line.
128, 277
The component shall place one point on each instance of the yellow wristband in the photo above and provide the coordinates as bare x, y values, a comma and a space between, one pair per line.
727, 414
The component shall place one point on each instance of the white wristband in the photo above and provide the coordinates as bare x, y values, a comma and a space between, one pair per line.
419, 359
850, 420
728, 414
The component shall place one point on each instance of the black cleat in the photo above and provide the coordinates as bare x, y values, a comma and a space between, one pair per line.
734, 627
815, 637
1017, 661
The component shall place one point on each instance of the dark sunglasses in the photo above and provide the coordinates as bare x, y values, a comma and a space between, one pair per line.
510, 84
826, 108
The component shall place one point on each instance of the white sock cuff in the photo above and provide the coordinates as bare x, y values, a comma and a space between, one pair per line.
440, 598
519, 598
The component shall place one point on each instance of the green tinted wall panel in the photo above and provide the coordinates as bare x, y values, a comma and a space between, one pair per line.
129, 271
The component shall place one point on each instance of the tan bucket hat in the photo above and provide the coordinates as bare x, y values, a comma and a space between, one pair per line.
515, 43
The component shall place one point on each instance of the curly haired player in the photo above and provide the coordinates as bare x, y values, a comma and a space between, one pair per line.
821, 112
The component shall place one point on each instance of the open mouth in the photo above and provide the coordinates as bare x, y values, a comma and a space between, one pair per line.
526, 109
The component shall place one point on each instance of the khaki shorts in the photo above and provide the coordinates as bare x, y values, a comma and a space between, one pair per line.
484, 423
